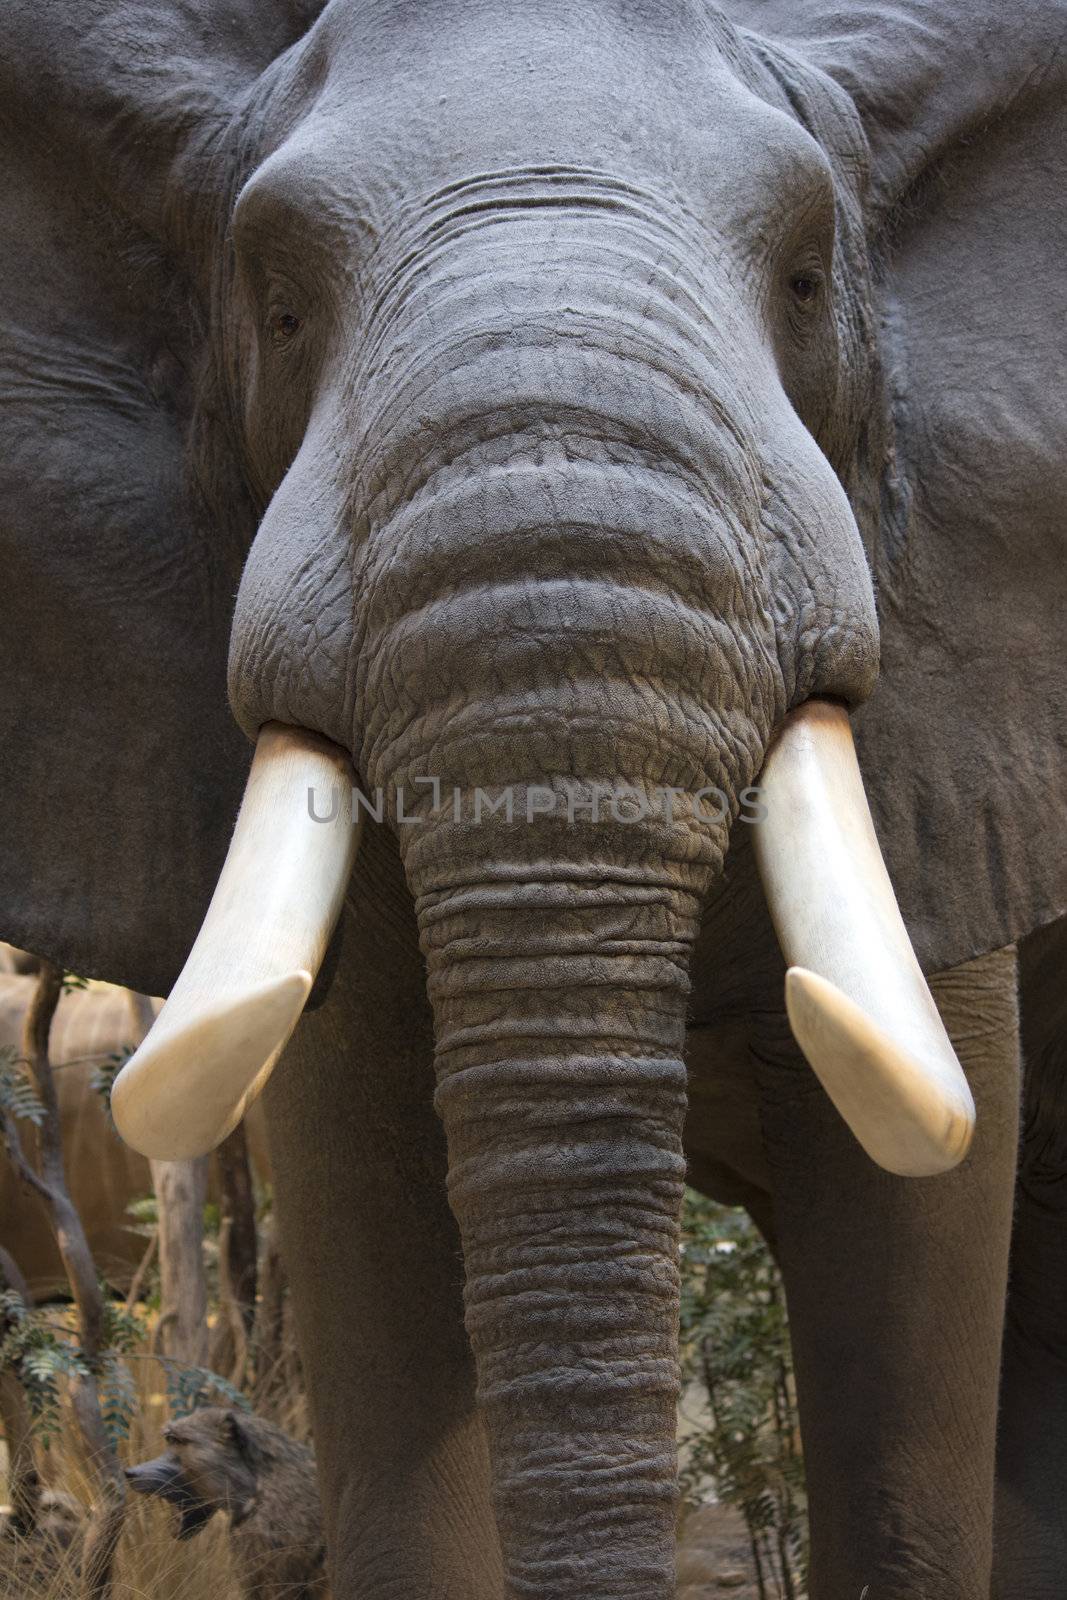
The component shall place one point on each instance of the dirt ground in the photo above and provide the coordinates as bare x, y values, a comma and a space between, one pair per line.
714, 1556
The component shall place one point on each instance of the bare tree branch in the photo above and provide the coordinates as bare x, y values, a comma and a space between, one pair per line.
237, 1255
17, 1156
51, 1184
181, 1189
137, 1281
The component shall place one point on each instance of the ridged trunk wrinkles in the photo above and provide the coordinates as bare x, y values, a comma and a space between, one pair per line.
560, 1007
560, 599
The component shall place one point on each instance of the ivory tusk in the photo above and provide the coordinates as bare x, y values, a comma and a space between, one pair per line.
248, 976
858, 1003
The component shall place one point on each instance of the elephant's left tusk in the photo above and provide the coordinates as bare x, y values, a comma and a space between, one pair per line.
247, 978
857, 1001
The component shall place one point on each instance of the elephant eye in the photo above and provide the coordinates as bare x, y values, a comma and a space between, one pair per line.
805, 288
283, 326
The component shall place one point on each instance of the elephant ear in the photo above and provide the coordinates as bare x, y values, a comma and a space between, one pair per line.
121, 765
964, 742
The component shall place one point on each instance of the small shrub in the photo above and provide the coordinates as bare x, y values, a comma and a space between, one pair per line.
735, 1342
18, 1094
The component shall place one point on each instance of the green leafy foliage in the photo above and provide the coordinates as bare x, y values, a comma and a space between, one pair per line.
41, 1353
118, 1396
123, 1329
71, 981
102, 1079
39, 1356
144, 1212
18, 1095
735, 1342
189, 1387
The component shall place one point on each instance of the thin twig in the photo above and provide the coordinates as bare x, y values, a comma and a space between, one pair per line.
143, 1265
17, 1156
109, 1513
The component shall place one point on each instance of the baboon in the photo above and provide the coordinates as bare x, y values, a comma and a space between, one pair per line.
44, 1558
60, 1521
223, 1460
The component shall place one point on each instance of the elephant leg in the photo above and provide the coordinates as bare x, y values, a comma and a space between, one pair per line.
723, 1143
374, 1262
896, 1293
1030, 1530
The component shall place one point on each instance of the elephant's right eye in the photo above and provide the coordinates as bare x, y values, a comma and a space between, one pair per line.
284, 325
805, 288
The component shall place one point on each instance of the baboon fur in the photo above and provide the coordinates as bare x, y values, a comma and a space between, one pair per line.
227, 1461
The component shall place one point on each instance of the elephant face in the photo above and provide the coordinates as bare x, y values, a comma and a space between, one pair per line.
524, 372
546, 428
532, 414
535, 411
595, 286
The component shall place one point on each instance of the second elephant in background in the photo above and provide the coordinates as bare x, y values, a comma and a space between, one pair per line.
92, 1028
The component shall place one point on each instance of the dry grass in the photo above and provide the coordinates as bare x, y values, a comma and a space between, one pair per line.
151, 1564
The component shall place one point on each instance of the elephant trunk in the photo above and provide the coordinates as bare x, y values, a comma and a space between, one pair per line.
560, 1005
552, 615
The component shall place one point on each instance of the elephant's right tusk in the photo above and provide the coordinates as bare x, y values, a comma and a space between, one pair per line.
249, 974
857, 1001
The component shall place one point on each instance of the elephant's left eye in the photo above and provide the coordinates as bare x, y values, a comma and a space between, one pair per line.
805, 287
284, 325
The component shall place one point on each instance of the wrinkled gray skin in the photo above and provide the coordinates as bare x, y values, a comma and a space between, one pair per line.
552, 379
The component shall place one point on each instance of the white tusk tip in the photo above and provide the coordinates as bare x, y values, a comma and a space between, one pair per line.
914, 1118
188, 1085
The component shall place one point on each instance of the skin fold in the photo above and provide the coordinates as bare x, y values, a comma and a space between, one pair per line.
565, 394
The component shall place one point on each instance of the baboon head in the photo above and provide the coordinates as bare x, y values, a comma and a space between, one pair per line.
209, 1466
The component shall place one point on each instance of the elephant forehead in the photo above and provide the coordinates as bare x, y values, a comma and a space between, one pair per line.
496, 40
399, 103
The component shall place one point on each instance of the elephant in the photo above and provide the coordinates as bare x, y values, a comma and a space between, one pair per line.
16, 961
90, 1027
521, 443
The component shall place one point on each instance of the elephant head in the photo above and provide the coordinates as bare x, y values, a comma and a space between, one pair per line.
522, 372
536, 443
